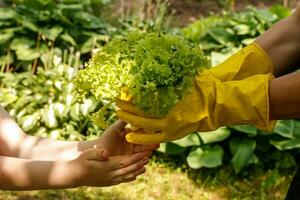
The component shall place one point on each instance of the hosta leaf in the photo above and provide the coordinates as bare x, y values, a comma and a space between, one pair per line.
52, 33
68, 38
171, 148
75, 112
248, 129
206, 156
55, 134
242, 29
189, 140
26, 23
28, 122
49, 116
286, 144
5, 36
87, 45
60, 110
27, 54
6, 59
221, 35
214, 136
7, 13
286, 128
21, 43
88, 106
280, 11
243, 152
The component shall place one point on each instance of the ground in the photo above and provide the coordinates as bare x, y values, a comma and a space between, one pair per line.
164, 183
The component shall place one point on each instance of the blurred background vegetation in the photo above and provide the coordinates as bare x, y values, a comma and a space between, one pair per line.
43, 43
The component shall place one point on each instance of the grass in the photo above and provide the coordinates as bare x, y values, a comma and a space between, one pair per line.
165, 183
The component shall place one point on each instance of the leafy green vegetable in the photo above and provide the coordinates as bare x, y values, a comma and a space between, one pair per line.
156, 69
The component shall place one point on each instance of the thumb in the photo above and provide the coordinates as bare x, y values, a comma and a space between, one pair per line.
96, 154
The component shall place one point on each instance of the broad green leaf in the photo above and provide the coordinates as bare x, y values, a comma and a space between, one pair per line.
248, 41
221, 35
49, 116
189, 140
55, 134
7, 13
75, 112
27, 54
280, 11
248, 129
28, 122
52, 33
21, 43
217, 58
60, 110
206, 156
88, 106
87, 45
265, 15
214, 136
170, 148
88, 20
68, 38
286, 144
5, 36
243, 152
9, 98
286, 128
26, 23
242, 29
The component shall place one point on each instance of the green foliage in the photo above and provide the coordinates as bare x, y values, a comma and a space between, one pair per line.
226, 33
157, 70
205, 156
30, 28
45, 103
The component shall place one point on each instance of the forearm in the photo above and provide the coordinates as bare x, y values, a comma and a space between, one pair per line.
282, 43
284, 95
21, 174
48, 149
15, 143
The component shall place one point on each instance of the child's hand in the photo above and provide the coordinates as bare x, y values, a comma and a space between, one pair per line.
93, 167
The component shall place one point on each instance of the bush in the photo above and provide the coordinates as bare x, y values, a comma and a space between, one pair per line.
31, 28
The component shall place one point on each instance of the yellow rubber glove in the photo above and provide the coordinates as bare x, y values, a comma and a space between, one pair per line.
249, 61
211, 104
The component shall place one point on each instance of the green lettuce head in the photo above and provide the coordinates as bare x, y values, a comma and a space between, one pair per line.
157, 69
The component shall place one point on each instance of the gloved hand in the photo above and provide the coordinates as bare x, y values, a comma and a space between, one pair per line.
214, 101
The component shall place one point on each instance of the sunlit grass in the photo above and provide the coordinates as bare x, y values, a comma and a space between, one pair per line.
163, 183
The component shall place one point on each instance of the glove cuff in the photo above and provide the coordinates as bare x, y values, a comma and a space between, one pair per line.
243, 102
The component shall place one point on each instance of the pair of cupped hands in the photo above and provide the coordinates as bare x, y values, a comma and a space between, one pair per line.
112, 160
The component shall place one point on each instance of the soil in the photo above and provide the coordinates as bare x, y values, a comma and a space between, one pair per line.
186, 11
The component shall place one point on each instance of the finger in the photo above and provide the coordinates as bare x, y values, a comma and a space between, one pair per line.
140, 148
118, 162
146, 138
128, 106
118, 126
151, 124
95, 154
136, 173
131, 168
130, 176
